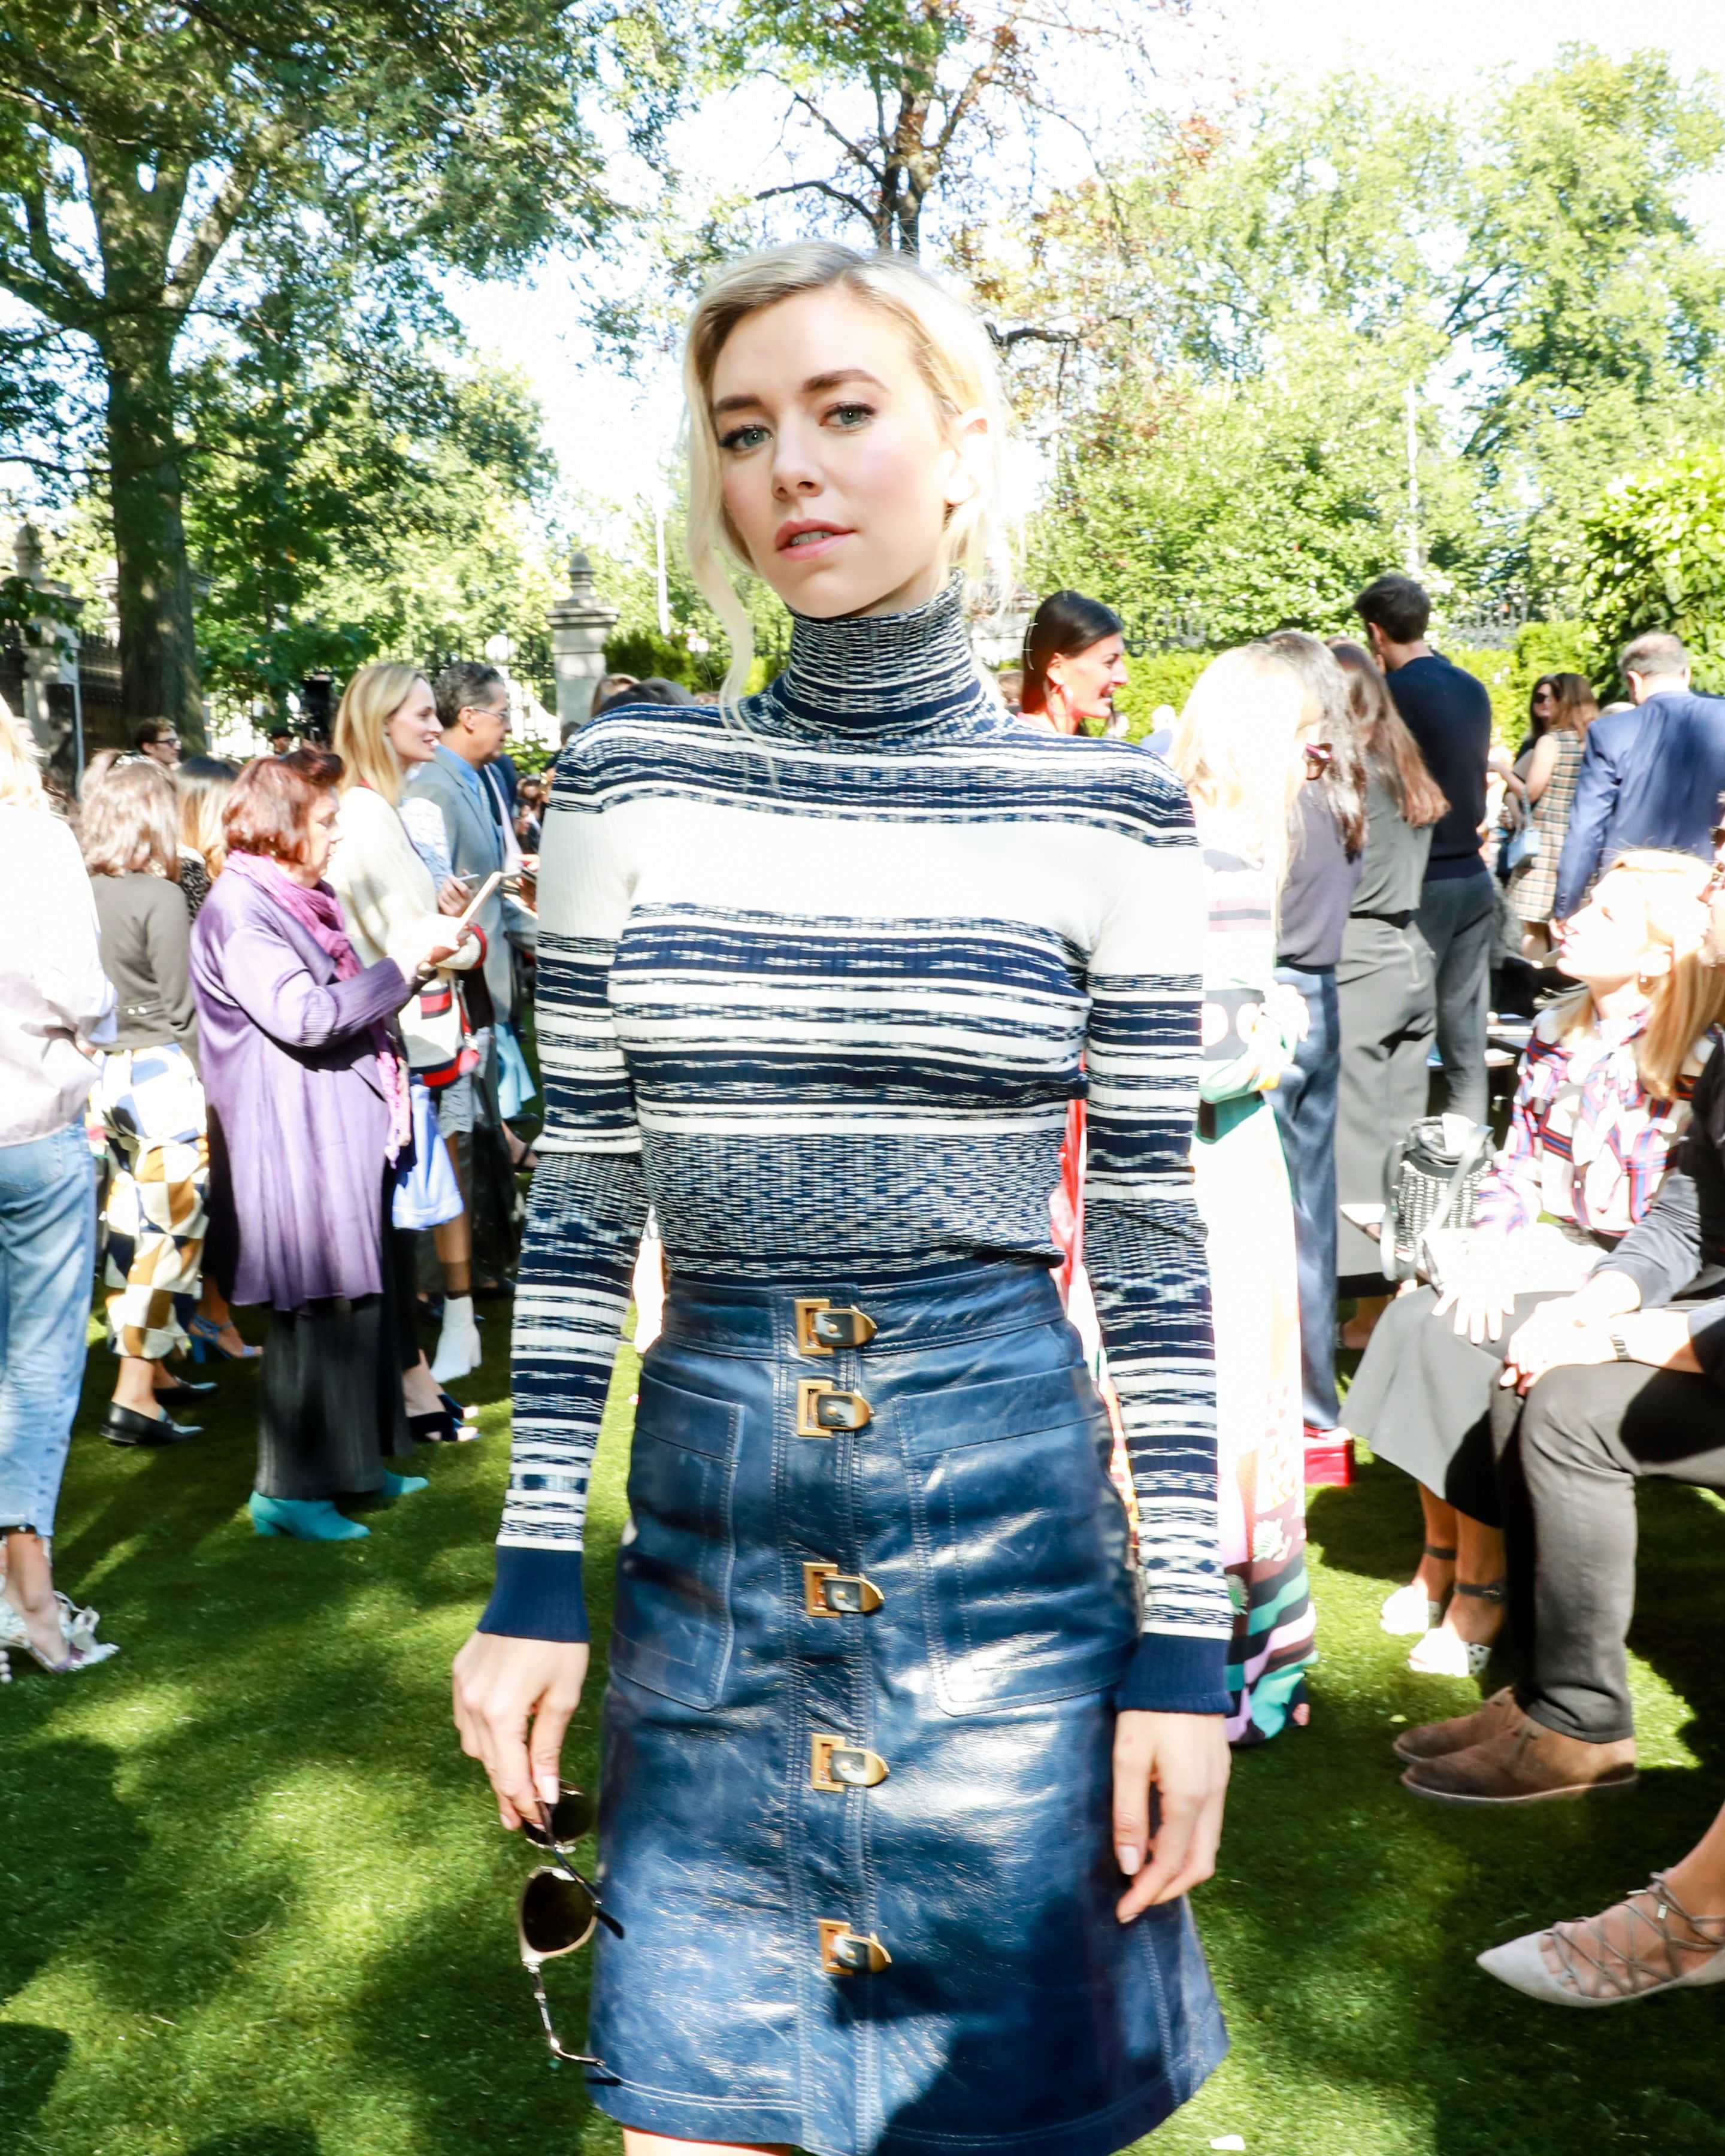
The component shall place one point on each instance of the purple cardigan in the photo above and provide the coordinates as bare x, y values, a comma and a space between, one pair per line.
298, 1120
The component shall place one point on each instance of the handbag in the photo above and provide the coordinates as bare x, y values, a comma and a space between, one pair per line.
1522, 849
426, 1193
1431, 1183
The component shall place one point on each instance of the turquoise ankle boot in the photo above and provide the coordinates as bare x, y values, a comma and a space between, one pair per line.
306, 1520
402, 1486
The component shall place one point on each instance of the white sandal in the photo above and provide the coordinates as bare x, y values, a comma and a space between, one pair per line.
1522, 1963
1411, 1610
1443, 1653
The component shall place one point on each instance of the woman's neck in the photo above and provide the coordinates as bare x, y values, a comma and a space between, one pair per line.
1612, 1004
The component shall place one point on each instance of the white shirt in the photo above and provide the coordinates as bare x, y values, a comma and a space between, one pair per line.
52, 985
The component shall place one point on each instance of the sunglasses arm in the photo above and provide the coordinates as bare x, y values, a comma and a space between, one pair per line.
568, 2058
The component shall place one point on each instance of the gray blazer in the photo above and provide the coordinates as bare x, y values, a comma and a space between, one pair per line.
475, 840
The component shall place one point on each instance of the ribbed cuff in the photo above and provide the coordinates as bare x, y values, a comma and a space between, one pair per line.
1172, 1673
537, 1596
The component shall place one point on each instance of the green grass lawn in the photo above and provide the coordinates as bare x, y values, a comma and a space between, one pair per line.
253, 1902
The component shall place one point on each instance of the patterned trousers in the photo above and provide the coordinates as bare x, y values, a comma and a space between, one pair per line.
152, 1104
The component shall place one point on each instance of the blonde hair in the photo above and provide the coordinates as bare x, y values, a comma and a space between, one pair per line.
368, 703
20, 770
1235, 746
130, 823
203, 788
1688, 999
952, 353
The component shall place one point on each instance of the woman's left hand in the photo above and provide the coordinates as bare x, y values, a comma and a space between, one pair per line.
1184, 1758
1481, 1307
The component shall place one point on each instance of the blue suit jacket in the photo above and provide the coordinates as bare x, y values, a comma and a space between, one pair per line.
1652, 777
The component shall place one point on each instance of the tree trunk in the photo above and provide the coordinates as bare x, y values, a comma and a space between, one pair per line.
158, 649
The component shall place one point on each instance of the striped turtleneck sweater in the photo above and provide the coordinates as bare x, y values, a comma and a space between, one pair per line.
817, 981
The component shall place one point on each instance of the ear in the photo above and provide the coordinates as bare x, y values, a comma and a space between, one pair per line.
1657, 962
969, 443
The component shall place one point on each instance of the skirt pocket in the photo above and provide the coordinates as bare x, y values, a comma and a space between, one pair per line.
1021, 1540
672, 1630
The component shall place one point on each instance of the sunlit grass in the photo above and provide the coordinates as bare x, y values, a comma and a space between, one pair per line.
253, 1902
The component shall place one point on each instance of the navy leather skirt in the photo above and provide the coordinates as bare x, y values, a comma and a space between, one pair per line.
854, 1817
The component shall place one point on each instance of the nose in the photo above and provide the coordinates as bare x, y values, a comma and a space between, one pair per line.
796, 472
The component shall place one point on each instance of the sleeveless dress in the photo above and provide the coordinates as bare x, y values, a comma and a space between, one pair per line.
1533, 890
818, 980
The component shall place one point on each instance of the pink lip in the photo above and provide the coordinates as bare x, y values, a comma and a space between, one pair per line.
832, 533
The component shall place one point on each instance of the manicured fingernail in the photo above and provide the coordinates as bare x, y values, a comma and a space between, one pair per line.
549, 1788
1127, 1858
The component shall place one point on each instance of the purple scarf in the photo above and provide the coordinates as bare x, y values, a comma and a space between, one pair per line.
318, 911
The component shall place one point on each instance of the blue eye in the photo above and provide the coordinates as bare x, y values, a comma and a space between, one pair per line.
851, 415
743, 438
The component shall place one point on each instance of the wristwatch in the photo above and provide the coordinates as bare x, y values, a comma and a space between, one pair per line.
1619, 1346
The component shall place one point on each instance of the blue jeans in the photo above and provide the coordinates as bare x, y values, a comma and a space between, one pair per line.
1305, 1104
48, 1232
1458, 918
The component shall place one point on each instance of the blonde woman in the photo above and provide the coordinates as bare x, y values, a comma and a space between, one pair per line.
386, 726
1240, 745
149, 1099
1604, 1098
819, 974
54, 1000
202, 784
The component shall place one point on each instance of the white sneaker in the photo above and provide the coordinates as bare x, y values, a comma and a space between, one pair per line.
457, 1343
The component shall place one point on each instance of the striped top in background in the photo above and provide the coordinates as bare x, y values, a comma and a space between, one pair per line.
819, 986
1587, 1142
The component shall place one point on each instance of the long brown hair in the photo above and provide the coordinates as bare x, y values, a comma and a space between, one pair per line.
130, 823
1391, 752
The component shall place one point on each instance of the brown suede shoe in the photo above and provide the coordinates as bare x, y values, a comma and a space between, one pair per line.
1434, 1740
1524, 1766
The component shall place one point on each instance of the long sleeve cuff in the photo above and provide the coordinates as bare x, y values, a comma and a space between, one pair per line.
1174, 1673
1706, 1336
538, 1595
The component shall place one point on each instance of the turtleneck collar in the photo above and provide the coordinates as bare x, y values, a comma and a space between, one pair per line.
884, 674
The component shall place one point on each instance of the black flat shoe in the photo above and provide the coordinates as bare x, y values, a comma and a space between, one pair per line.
183, 1392
125, 1426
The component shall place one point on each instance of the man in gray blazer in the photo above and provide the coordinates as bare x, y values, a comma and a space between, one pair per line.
473, 704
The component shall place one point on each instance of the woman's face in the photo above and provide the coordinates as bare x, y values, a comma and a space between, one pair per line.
1087, 680
1606, 944
1545, 704
321, 839
837, 471
413, 731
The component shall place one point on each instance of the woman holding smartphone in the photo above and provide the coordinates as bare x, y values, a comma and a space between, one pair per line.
819, 972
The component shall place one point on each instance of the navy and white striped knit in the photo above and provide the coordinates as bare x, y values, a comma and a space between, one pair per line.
819, 987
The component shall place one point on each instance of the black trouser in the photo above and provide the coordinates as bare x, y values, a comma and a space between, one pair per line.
1570, 1461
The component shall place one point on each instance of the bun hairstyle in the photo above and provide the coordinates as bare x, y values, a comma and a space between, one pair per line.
952, 354
1065, 623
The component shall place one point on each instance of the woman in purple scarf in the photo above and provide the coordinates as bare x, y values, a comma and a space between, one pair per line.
308, 1112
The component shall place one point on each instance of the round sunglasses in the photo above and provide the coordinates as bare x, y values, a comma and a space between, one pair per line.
560, 1910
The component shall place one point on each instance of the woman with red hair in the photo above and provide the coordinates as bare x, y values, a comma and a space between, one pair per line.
309, 1115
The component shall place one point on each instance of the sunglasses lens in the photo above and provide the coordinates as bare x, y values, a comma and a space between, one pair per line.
556, 1914
572, 1817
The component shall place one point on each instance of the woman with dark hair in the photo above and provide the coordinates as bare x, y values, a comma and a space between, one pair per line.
1385, 982
1075, 660
1385, 987
309, 1115
147, 1097
1548, 770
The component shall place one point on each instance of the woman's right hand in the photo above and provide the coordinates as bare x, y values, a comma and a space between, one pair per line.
425, 944
514, 1700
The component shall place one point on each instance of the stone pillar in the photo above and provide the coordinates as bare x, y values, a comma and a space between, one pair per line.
50, 657
580, 623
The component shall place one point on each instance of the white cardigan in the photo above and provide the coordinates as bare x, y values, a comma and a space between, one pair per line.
385, 889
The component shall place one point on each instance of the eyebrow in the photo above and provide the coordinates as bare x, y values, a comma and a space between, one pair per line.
811, 388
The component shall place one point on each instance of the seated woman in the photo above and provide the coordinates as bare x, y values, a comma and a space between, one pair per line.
1603, 1099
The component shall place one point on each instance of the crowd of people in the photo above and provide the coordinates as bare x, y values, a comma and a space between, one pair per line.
916, 1004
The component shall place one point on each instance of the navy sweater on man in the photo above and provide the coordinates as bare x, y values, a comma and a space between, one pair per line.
1448, 713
